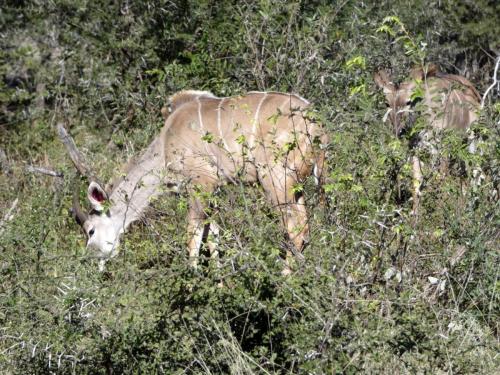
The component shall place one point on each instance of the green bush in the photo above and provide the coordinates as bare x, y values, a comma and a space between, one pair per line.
379, 291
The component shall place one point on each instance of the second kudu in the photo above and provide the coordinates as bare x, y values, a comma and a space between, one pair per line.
447, 101
263, 137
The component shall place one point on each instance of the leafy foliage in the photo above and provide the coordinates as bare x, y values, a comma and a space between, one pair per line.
378, 291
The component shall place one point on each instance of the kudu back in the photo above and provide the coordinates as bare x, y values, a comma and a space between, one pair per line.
447, 101
263, 137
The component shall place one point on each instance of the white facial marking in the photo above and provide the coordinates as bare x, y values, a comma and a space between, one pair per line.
103, 235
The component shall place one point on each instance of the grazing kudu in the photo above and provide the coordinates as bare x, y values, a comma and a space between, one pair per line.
447, 101
263, 137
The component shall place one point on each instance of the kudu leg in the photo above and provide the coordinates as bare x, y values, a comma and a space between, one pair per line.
417, 183
295, 220
213, 242
292, 213
201, 230
296, 223
196, 230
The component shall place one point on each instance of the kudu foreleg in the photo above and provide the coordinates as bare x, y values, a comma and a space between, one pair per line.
295, 222
292, 213
213, 241
417, 180
196, 230
201, 230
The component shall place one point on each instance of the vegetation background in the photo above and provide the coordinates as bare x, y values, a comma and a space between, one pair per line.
379, 291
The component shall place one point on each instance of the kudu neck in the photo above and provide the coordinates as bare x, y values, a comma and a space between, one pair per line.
144, 180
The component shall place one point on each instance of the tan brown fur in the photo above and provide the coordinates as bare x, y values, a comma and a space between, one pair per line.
248, 141
449, 101
182, 97
206, 142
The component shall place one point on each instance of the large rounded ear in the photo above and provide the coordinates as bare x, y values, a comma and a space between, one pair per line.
383, 80
97, 196
429, 70
417, 73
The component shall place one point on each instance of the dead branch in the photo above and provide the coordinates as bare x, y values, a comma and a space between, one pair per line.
48, 172
76, 156
496, 81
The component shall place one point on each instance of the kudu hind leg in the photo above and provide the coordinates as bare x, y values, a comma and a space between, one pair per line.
417, 183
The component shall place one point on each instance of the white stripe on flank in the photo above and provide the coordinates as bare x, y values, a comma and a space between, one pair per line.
255, 121
199, 114
218, 116
218, 124
203, 132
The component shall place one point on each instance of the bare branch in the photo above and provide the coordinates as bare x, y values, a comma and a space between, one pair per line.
495, 82
79, 161
48, 172
75, 155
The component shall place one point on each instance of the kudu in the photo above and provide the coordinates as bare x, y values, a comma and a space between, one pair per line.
447, 101
264, 137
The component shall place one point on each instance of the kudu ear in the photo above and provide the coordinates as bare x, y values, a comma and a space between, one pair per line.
97, 196
165, 112
419, 72
383, 80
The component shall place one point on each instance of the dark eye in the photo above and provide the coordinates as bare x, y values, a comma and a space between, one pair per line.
91, 232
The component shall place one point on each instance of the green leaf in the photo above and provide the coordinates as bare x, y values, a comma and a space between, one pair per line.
208, 137
240, 139
356, 62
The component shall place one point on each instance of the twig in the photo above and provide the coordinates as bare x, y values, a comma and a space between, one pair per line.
9, 215
48, 172
495, 82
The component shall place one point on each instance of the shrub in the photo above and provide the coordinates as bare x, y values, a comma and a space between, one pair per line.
379, 291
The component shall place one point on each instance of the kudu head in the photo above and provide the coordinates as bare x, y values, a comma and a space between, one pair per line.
102, 229
399, 96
